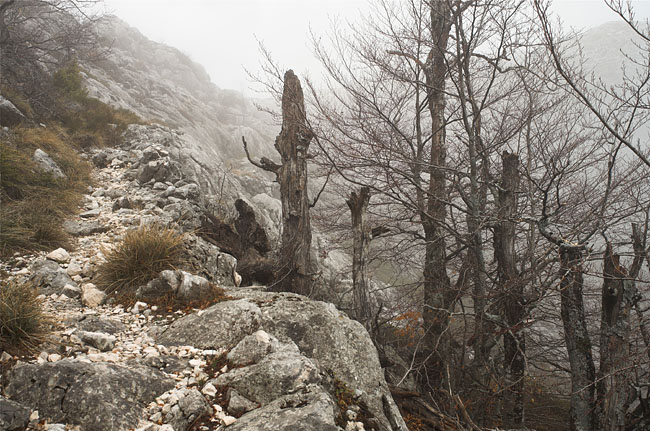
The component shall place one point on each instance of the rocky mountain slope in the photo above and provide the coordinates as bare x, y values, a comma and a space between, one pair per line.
163, 85
254, 361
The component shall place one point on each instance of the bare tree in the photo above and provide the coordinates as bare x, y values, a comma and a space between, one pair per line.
39, 36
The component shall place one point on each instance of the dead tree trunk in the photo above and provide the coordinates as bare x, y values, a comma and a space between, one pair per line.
358, 203
512, 289
294, 268
618, 297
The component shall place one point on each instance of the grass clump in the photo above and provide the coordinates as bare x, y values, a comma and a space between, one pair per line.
139, 257
23, 324
34, 203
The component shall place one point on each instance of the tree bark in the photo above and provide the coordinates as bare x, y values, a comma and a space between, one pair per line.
438, 297
358, 203
618, 298
512, 289
578, 342
294, 269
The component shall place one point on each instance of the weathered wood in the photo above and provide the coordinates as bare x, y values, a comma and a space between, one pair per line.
294, 269
358, 204
511, 288
618, 297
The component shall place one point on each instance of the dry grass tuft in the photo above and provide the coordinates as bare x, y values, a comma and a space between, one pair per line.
34, 203
23, 324
139, 257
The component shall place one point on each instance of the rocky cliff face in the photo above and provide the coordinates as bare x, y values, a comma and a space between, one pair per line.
163, 85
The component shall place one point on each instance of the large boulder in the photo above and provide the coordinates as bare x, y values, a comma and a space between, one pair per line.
207, 260
98, 397
279, 373
13, 416
324, 336
223, 325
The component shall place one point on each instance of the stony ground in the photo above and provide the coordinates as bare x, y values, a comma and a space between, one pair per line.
93, 333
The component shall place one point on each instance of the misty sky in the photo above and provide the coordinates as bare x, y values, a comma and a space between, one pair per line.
220, 34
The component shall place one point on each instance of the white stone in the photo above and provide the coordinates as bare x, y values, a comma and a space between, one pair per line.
91, 296
59, 255
138, 307
209, 390
73, 269
54, 357
263, 337
196, 362
228, 420
5, 357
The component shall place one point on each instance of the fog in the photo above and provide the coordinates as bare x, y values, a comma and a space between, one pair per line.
222, 35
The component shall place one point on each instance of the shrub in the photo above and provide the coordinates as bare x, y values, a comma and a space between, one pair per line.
23, 324
139, 257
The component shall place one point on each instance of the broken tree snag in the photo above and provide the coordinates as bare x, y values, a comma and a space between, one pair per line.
511, 288
613, 384
293, 269
358, 204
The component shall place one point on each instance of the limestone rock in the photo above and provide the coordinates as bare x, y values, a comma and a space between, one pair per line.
73, 269
277, 374
71, 291
13, 416
46, 164
99, 340
208, 261
238, 405
9, 115
49, 276
91, 296
182, 285
309, 410
96, 324
253, 348
324, 335
191, 407
59, 255
98, 397
84, 228
221, 326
